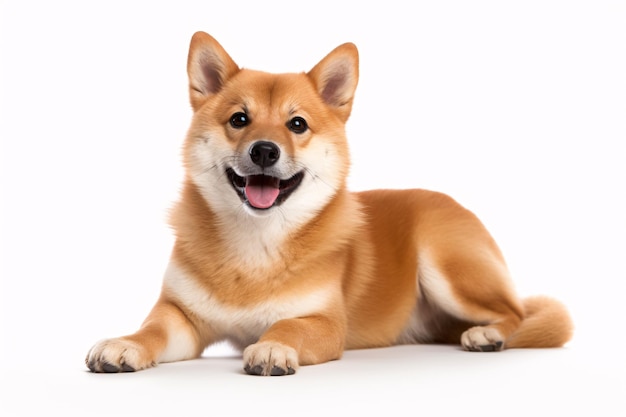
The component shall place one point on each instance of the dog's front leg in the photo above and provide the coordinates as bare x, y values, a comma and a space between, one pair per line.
166, 335
293, 342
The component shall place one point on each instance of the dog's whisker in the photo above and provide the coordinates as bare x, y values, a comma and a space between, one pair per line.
315, 177
226, 161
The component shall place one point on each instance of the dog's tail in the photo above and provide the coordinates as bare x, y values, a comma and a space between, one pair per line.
547, 323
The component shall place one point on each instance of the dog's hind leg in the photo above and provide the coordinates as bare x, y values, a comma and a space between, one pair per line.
473, 288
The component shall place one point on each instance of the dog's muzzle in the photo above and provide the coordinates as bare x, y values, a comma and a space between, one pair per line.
261, 191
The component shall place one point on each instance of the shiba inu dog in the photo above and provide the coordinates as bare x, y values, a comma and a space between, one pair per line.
275, 255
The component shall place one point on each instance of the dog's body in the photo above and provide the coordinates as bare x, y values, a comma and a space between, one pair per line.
275, 255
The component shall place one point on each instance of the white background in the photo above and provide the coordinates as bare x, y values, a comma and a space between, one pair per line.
517, 109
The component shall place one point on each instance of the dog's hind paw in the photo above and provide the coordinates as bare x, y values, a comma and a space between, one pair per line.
482, 339
270, 359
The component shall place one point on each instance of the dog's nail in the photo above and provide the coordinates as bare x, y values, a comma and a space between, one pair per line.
277, 371
109, 368
127, 368
254, 370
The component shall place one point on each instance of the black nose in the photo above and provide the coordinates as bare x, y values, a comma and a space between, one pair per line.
264, 154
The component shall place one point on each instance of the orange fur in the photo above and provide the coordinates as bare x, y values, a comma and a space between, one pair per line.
321, 269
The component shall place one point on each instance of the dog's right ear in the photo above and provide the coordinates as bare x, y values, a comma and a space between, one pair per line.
208, 68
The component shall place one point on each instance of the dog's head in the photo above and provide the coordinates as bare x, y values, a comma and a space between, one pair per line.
268, 143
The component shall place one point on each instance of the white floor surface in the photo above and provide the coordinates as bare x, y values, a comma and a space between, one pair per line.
405, 380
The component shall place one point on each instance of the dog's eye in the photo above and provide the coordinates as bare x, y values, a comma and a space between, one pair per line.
297, 125
239, 120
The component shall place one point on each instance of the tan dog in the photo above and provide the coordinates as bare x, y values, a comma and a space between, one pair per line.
274, 254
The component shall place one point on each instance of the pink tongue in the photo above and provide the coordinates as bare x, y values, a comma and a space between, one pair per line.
262, 191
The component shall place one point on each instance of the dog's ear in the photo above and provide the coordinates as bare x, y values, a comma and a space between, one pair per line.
336, 77
208, 68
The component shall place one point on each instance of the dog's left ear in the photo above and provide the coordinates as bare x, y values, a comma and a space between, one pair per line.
336, 77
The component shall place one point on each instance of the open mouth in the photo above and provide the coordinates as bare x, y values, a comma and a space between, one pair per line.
263, 191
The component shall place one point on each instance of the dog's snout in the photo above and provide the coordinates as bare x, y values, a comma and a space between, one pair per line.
264, 154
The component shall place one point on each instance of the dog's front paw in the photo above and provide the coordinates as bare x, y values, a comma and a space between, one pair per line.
117, 355
270, 358
482, 339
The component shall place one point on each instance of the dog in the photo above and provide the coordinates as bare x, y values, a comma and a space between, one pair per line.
275, 255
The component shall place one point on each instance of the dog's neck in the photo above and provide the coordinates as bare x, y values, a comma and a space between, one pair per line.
257, 243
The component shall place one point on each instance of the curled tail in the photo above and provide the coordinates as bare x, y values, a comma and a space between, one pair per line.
546, 323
